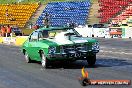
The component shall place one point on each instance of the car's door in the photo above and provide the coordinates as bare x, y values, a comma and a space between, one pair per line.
32, 45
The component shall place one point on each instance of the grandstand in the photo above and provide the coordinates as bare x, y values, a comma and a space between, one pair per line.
125, 15
62, 13
111, 8
16, 14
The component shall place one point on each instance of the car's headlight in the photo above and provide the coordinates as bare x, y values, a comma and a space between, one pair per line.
52, 50
95, 46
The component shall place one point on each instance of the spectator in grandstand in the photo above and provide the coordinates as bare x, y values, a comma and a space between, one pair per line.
8, 30
68, 24
72, 25
36, 27
46, 20
30, 25
0, 33
7, 13
3, 31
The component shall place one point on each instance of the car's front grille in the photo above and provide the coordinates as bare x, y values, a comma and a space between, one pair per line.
67, 48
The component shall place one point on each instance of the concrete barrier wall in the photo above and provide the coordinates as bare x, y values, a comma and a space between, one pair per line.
128, 33
18, 41
1, 40
84, 31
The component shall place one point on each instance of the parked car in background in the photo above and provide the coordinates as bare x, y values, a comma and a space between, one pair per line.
16, 31
59, 44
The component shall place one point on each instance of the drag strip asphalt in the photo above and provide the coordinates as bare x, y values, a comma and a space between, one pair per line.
114, 61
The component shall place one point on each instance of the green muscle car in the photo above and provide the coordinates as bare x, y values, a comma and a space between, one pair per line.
59, 43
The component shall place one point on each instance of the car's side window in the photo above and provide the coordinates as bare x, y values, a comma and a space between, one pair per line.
45, 34
34, 36
40, 34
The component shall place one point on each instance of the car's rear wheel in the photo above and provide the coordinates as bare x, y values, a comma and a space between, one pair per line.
27, 58
91, 60
44, 60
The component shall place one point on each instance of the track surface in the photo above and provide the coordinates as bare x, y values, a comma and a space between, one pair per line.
113, 62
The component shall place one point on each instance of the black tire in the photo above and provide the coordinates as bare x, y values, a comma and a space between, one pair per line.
27, 58
91, 60
44, 61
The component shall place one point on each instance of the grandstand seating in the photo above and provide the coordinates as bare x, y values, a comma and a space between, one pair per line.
110, 8
16, 14
62, 13
125, 15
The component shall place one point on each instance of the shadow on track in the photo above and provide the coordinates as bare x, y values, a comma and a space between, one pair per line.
101, 62
111, 62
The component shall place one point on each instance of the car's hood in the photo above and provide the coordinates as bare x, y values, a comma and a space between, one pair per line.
73, 40
63, 39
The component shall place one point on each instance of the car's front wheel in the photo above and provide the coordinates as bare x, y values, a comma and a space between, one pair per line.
44, 61
91, 60
27, 58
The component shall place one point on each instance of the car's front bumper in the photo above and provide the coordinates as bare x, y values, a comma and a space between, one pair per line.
73, 54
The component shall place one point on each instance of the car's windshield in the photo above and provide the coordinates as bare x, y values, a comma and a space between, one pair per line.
53, 33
